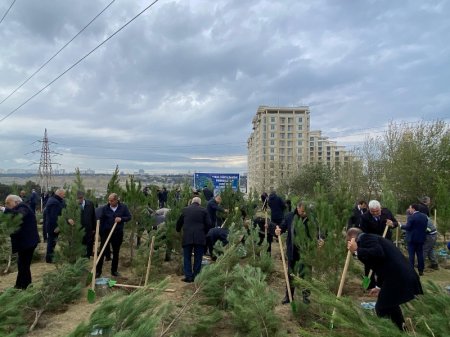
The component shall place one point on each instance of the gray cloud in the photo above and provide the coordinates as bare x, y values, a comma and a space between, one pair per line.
177, 89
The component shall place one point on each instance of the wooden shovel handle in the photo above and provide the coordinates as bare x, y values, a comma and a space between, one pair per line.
149, 260
106, 242
97, 228
139, 287
286, 276
344, 274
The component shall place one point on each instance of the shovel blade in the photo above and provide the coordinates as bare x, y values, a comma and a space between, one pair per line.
111, 283
366, 282
91, 295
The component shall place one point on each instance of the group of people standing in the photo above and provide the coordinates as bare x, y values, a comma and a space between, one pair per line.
25, 239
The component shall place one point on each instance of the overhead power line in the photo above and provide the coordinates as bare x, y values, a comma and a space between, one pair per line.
78, 62
7, 11
56, 54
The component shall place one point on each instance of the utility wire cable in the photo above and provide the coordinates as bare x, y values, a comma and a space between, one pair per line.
79, 61
7, 11
57, 53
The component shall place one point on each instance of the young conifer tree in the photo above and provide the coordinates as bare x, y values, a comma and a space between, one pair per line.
135, 200
8, 224
69, 246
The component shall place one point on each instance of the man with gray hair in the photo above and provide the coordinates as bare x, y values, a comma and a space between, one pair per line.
377, 218
195, 221
374, 222
23, 240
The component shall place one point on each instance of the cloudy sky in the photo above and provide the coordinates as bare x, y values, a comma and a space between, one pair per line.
177, 88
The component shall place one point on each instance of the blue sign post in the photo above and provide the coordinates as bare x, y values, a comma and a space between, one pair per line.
218, 180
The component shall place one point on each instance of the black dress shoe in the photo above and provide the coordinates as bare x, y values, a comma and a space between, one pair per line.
285, 300
187, 280
115, 273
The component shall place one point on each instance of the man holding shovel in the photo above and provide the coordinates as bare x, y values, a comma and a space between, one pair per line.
299, 238
397, 281
111, 213
376, 221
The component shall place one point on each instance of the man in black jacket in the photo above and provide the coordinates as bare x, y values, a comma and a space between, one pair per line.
88, 220
375, 220
397, 281
111, 213
207, 193
53, 210
357, 211
299, 241
24, 240
196, 223
213, 207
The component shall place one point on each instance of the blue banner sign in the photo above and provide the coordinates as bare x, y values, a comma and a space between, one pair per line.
218, 180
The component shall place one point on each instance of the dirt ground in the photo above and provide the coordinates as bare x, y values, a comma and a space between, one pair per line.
62, 323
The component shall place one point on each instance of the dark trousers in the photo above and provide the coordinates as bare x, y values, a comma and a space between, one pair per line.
394, 313
23, 266
44, 232
198, 250
116, 241
413, 250
51, 243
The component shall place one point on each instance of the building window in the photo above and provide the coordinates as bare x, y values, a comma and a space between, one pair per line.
272, 119
282, 135
272, 142
300, 135
290, 127
289, 135
282, 151
290, 120
299, 142
300, 120
272, 158
272, 126
272, 135
282, 120
282, 128
289, 143
281, 142
272, 150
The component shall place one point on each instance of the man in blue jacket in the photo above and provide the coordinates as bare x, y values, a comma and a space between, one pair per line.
24, 240
416, 229
111, 213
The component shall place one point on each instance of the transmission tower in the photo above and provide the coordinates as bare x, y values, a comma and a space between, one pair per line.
45, 165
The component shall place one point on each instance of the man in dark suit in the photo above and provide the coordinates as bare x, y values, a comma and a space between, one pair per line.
88, 220
196, 223
299, 241
53, 210
375, 220
397, 281
24, 240
416, 229
112, 212
213, 207
277, 208
357, 211
207, 193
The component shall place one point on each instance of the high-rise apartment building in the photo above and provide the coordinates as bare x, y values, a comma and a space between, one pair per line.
281, 142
